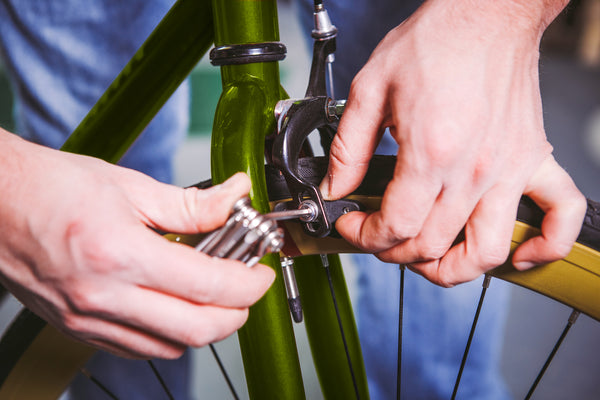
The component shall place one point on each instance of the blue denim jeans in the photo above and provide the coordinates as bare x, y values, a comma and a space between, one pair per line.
61, 56
436, 320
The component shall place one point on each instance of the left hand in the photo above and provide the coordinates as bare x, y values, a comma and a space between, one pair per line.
458, 89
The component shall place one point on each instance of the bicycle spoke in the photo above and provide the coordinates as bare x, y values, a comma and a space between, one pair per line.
325, 262
485, 285
570, 322
223, 371
400, 322
161, 380
3, 292
99, 384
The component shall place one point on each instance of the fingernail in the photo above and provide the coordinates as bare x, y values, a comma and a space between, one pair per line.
325, 187
523, 265
233, 180
273, 277
230, 183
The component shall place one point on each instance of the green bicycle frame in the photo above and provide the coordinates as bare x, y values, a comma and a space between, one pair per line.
243, 118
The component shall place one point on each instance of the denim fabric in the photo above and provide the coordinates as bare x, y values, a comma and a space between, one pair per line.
61, 56
436, 320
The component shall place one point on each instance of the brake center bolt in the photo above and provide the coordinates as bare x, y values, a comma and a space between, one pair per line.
307, 212
312, 213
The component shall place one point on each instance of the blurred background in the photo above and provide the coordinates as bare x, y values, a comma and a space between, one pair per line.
570, 83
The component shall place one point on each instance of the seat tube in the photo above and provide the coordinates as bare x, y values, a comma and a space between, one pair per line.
243, 119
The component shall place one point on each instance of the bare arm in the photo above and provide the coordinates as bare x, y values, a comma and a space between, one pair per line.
457, 85
75, 248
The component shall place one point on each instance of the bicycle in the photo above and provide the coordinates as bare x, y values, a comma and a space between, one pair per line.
238, 144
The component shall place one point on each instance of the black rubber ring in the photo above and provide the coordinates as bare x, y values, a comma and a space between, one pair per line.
247, 53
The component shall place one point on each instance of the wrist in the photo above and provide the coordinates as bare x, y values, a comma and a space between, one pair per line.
534, 15
496, 21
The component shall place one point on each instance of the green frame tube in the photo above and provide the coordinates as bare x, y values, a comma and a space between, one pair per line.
267, 339
322, 328
239, 131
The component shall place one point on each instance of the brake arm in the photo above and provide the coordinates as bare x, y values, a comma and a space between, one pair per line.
297, 119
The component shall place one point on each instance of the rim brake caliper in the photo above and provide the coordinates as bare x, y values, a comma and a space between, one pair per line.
297, 119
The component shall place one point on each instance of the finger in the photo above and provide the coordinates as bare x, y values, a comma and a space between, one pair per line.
148, 322
554, 191
188, 210
359, 132
180, 321
406, 203
487, 241
195, 276
121, 340
443, 224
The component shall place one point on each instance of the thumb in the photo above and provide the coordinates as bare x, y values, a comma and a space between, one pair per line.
190, 210
355, 142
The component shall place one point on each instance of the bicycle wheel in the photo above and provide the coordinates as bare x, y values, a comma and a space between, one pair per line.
37, 362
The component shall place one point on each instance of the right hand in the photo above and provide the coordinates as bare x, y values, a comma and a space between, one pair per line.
77, 249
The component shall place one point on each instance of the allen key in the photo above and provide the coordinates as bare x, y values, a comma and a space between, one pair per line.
248, 235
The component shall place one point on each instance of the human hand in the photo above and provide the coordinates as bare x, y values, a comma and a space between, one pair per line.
76, 248
458, 88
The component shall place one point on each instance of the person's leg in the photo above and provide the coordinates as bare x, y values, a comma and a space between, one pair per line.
61, 56
437, 320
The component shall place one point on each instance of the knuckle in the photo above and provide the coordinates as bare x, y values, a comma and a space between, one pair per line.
579, 204
445, 282
404, 231
494, 256
432, 251
199, 294
444, 278
441, 149
87, 299
558, 251
190, 203
360, 86
342, 154
75, 324
95, 253
483, 168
